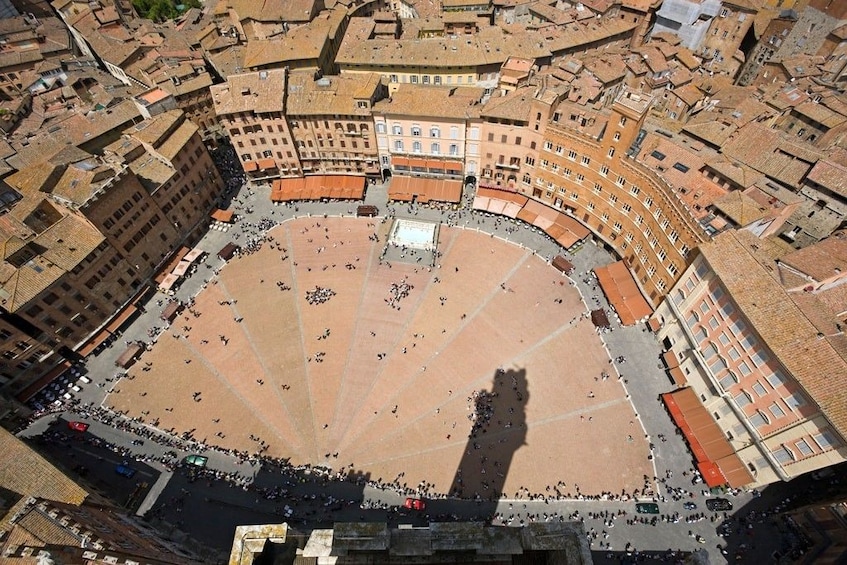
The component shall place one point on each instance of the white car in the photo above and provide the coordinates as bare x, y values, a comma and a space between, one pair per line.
67, 396
76, 388
83, 379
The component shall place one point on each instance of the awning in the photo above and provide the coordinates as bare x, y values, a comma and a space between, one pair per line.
710, 448
170, 311
419, 163
94, 343
562, 264
669, 357
678, 376
655, 324
193, 255
316, 187
224, 216
181, 268
266, 164
622, 292
453, 166
250, 166
405, 188
43, 381
168, 282
227, 251
172, 263
128, 356
121, 318
599, 318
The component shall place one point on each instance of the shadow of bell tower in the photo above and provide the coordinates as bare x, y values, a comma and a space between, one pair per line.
498, 430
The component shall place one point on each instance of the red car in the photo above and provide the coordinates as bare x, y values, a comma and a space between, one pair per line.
414, 504
78, 426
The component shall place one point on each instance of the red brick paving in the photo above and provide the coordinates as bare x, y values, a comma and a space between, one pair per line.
344, 404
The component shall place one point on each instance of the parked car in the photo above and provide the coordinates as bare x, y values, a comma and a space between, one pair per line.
78, 426
196, 460
83, 379
647, 508
76, 388
718, 504
414, 504
689, 506
125, 470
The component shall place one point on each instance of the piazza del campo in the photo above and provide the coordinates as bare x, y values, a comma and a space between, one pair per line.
423, 281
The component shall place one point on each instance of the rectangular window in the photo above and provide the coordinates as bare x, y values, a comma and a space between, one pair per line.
825, 440
795, 401
759, 389
776, 410
586, 160
742, 399
804, 448
782, 455
758, 420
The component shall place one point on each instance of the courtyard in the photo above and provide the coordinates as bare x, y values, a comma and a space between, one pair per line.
478, 375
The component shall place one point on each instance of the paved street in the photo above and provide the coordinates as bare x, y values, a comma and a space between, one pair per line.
227, 503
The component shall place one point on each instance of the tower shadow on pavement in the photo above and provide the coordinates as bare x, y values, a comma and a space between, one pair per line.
498, 431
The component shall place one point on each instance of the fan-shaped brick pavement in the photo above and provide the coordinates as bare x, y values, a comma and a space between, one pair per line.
387, 388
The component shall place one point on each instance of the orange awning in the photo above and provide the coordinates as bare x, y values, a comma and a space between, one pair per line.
404, 189
669, 357
678, 376
174, 261
94, 343
250, 166
453, 166
402, 161
223, 215
417, 163
266, 164
339, 187
654, 324
121, 318
623, 294
713, 453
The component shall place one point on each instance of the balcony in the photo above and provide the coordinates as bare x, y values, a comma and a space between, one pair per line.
513, 165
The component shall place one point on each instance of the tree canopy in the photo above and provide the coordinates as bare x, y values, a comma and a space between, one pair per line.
162, 10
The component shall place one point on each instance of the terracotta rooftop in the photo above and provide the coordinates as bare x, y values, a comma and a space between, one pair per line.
740, 208
813, 361
260, 92
330, 95
823, 260
416, 100
24, 472
831, 176
272, 10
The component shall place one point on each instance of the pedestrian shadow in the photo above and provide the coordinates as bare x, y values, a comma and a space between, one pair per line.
498, 431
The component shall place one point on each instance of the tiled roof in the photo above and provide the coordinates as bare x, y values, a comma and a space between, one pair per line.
514, 105
176, 141
66, 243
740, 174
46, 529
416, 100
330, 95
303, 43
740, 208
822, 260
260, 92
25, 472
766, 150
831, 176
813, 361
273, 10
820, 114
489, 47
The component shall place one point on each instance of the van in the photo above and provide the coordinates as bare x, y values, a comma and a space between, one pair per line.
83, 379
